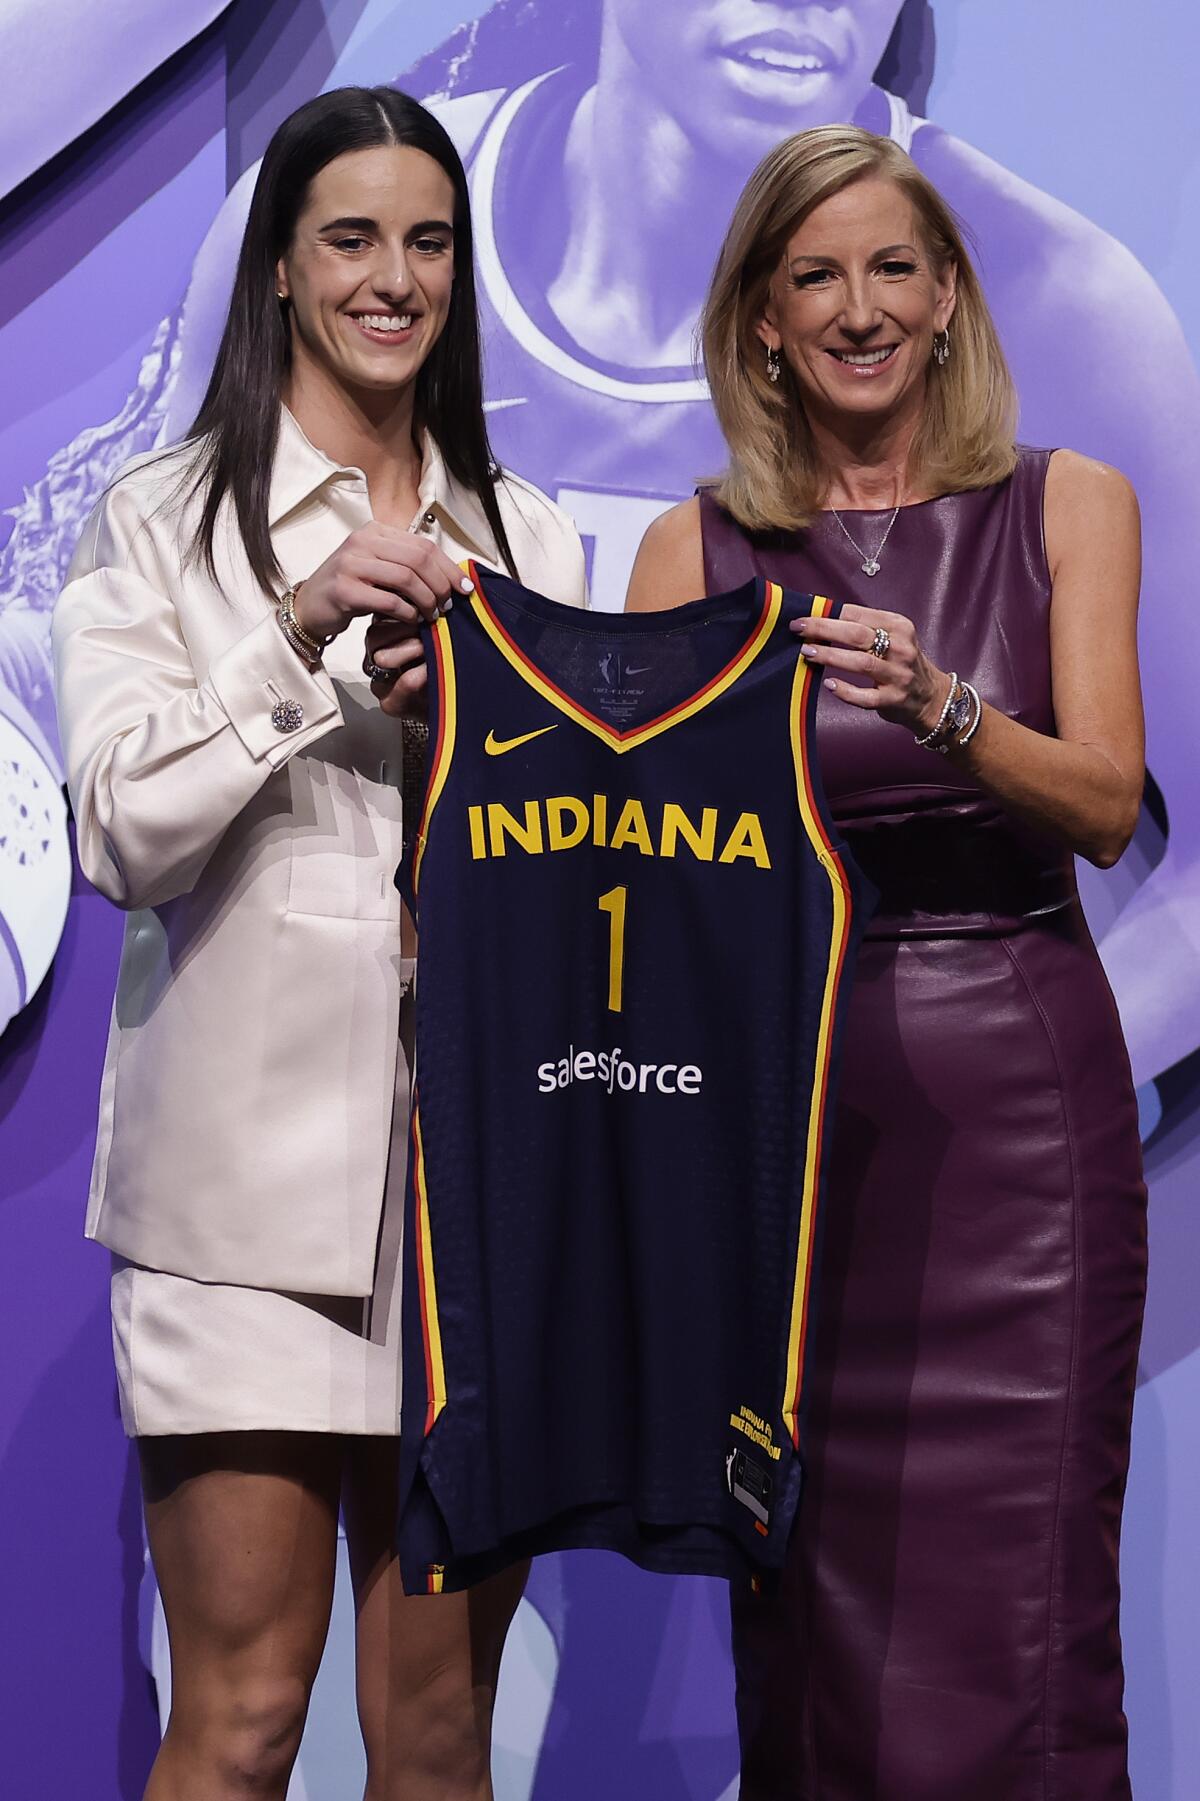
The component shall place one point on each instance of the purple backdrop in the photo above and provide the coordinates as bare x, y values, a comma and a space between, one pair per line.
617, 1683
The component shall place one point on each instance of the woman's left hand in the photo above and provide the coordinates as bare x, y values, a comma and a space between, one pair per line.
902, 685
395, 646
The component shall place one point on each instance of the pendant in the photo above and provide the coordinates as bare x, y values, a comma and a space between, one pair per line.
870, 567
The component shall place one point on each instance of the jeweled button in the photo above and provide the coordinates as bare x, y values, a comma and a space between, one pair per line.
287, 715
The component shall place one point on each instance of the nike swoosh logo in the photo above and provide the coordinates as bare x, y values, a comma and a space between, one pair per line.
496, 747
641, 671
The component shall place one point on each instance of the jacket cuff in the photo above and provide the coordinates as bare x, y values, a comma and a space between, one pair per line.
276, 705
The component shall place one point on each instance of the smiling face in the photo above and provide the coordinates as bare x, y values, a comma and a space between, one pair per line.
854, 304
370, 269
740, 74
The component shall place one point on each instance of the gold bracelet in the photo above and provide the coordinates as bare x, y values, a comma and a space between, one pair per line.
293, 628
301, 649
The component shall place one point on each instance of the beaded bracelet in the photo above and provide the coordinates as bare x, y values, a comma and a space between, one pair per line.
963, 723
931, 739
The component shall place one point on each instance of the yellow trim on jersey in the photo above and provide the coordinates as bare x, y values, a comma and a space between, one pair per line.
447, 686
839, 934
435, 1367
623, 741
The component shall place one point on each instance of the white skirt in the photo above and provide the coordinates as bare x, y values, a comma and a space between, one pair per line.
208, 1357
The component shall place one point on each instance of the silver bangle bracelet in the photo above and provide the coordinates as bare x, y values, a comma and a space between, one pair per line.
976, 716
963, 724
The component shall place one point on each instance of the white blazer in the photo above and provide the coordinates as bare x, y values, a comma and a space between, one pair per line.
248, 1084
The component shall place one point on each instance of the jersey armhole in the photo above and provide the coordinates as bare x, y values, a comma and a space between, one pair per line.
443, 726
819, 824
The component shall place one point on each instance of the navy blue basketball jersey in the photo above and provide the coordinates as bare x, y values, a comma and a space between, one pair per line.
636, 929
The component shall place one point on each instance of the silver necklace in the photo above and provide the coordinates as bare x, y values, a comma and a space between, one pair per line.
870, 564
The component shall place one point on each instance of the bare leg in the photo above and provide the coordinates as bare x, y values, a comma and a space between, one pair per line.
243, 1533
427, 1664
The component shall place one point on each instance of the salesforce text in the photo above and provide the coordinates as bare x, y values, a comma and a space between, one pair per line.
614, 1071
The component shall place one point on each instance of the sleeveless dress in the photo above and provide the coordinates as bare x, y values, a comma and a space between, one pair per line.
948, 1626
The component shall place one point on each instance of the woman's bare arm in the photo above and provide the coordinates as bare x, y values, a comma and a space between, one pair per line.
669, 566
1084, 785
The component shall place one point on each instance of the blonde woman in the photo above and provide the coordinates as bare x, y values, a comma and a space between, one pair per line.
949, 1621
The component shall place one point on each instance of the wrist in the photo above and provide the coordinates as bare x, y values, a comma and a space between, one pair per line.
931, 712
933, 719
298, 606
958, 720
965, 721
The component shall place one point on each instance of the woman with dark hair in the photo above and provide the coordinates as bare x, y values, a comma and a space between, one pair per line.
948, 1626
239, 792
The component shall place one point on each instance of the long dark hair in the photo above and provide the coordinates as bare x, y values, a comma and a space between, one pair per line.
517, 39
238, 422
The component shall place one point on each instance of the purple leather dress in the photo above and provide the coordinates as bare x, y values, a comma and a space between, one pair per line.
948, 1626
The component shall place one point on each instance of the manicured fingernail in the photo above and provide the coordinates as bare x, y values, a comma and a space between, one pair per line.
808, 650
799, 626
448, 604
466, 584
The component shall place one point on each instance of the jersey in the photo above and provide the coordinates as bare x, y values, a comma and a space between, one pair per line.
636, 928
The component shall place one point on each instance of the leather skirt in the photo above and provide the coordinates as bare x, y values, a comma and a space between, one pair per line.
948, 1625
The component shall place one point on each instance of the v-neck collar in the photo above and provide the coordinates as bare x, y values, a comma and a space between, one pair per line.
770, 596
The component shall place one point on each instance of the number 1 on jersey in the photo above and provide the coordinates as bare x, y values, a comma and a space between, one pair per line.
613, 903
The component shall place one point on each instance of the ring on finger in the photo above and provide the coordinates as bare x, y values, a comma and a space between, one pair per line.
881, 643
376, 672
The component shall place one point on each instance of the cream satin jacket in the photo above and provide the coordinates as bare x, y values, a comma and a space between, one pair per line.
248, 1084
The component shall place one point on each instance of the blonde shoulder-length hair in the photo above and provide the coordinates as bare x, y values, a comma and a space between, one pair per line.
774, 480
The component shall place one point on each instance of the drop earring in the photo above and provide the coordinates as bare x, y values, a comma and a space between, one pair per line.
773, 365
941, 347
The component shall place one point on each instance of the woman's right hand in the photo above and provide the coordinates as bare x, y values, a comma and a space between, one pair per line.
382, 570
